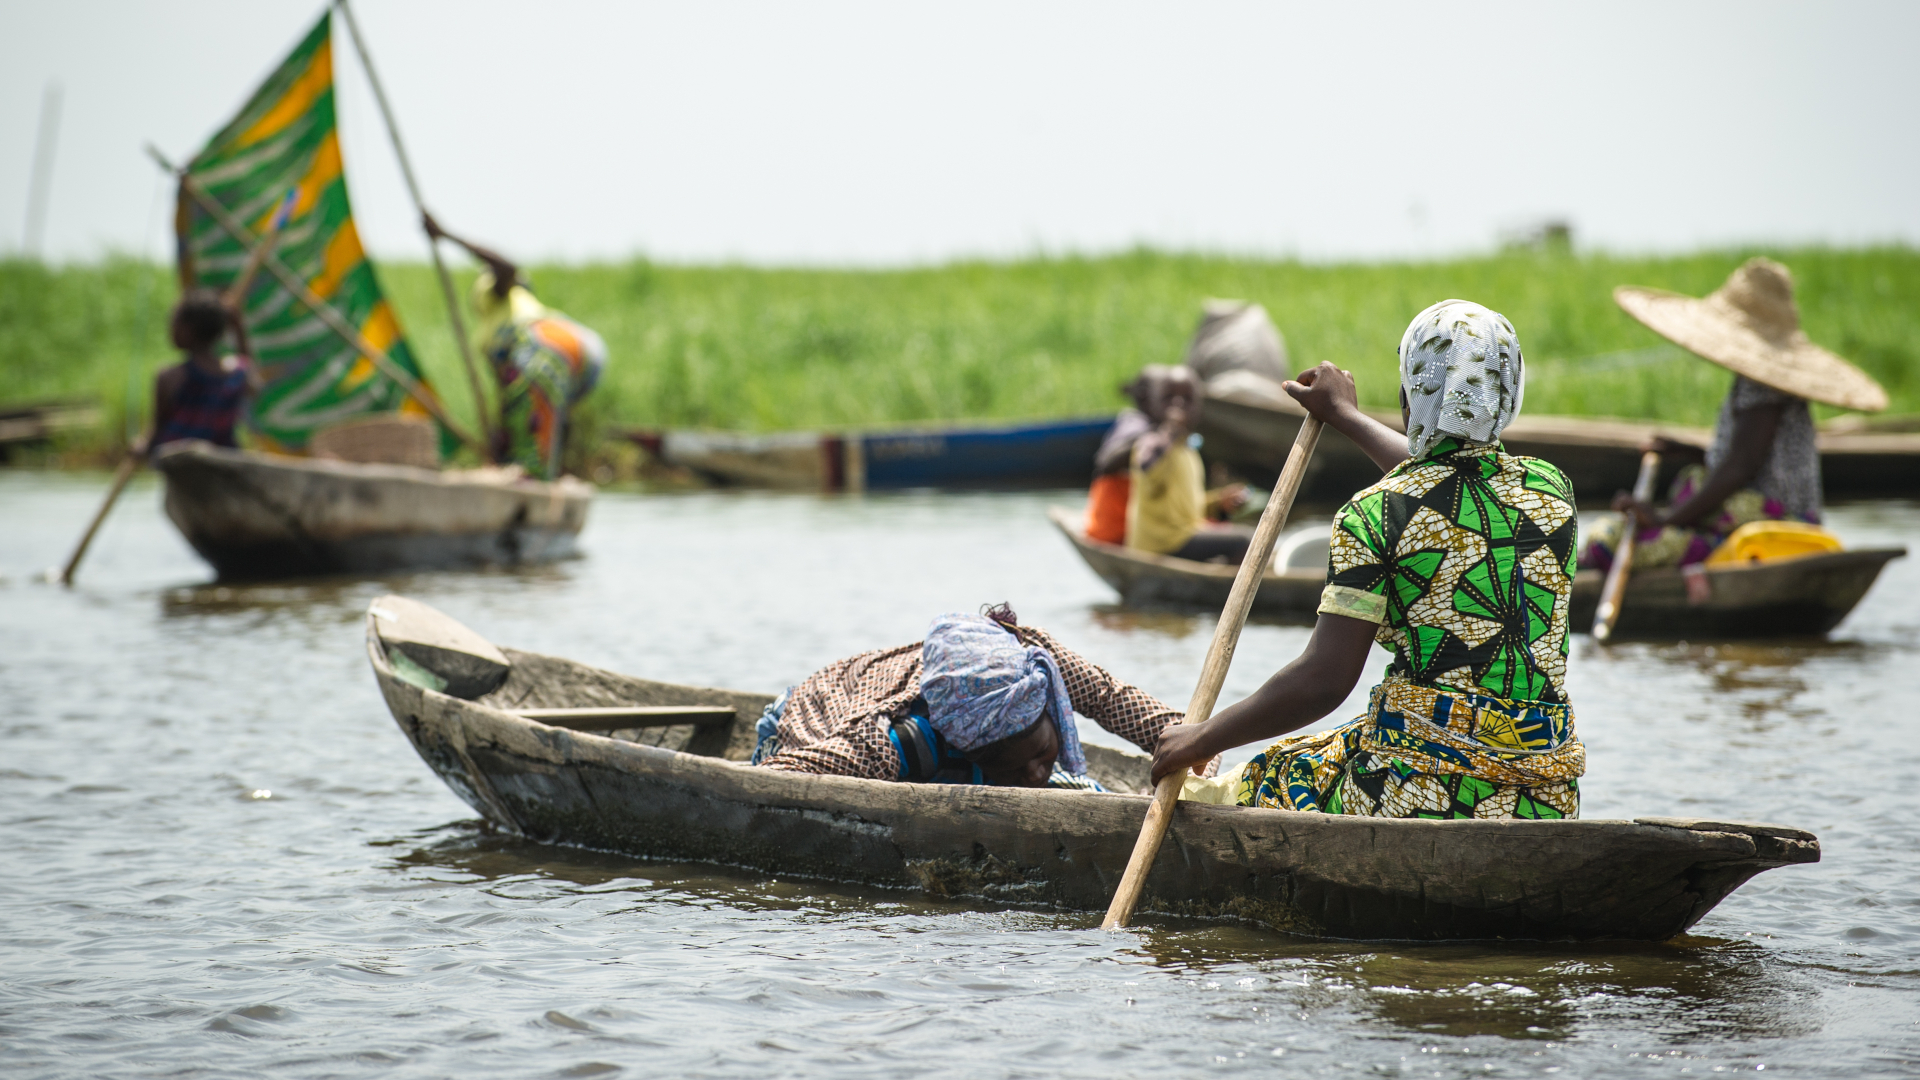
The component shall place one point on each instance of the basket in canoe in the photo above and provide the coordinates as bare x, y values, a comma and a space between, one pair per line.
1800, 597
256, 516
560, 752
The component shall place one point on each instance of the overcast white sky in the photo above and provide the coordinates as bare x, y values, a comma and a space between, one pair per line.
886, 133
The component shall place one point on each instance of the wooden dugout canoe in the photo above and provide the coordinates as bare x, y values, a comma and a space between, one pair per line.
259, 516
1803, 597
1049, 453
1251, 433
684, 793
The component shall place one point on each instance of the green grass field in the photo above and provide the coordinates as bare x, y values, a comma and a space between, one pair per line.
769, 349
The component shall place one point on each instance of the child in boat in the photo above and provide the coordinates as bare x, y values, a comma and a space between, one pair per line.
983, 700
1764, 464
543, 361
1107, 497
201, 396
1233, 335
1168, 503
1459, 562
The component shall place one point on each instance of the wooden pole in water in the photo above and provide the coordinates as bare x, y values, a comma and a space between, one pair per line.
120, 478
332, 318
1613, 593
487, 427
1226, 637
235, 294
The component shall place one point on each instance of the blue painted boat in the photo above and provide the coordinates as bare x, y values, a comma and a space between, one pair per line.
1053, 454
1043, 454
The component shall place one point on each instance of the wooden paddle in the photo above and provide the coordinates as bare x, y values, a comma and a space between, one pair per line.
235, 295
1226, 637
1615, 590
488, 428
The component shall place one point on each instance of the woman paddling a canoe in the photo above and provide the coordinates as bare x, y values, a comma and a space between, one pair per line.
983, 700
1460, 562
1764, 464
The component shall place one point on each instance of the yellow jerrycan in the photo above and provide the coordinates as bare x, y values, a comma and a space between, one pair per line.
1770, 541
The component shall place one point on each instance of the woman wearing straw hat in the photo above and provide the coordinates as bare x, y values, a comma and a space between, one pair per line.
1764, 464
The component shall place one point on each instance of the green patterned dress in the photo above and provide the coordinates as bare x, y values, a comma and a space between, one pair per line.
1465, 560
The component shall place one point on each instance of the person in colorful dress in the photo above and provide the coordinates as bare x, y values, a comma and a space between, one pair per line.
203, 395
982, 700
543, 361
1764, 462
1460, 563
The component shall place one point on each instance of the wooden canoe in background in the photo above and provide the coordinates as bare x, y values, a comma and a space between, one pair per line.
1146, 580
1250, 433
1803, 597
1053, 453
256, 516
683, 793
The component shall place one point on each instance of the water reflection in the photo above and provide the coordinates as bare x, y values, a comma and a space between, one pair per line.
1686, 990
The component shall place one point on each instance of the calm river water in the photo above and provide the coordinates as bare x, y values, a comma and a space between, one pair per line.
221, 858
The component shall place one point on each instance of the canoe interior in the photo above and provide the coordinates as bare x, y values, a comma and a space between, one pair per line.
657, 794
259, 516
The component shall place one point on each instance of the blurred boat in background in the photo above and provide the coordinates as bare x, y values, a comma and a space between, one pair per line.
257, 516
1249, 424
1044, 454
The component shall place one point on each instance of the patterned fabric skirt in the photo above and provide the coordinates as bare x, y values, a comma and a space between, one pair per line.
1673, 545
1426, 752
544, 367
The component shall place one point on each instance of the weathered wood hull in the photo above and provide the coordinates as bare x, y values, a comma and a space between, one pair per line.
1146, 580
1303, 873
257, 516
1803, 597
1600, 457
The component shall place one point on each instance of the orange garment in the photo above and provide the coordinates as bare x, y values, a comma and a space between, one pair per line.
1107, 507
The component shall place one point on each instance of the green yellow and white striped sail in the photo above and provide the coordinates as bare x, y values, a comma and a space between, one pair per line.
285, 138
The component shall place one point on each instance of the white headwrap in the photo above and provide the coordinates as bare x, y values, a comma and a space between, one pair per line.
1460, 365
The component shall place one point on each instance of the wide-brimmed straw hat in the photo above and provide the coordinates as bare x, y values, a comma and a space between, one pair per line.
1751, 327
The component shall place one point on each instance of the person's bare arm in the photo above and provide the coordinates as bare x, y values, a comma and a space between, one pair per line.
166, 388
243, 347
1753, 432
505, 271
1328, 394
1302, 692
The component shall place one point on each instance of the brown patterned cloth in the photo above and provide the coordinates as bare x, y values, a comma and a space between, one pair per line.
836, 720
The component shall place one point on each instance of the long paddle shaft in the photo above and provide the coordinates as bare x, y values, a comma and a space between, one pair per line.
235, 294
487, 426
1614, 592
120, 478
1226, 637
332, 318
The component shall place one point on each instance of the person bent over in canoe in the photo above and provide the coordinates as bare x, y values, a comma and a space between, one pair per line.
202, 396
543, 361
1460, 563
1764, 463
983, 700
1168, 502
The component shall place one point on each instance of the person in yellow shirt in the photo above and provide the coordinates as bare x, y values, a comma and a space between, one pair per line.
1168, 504
543, 361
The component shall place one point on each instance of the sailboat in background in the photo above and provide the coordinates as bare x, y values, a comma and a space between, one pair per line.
341, 471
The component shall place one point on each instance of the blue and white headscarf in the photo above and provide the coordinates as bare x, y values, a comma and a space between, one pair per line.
982, 685
1460, 365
